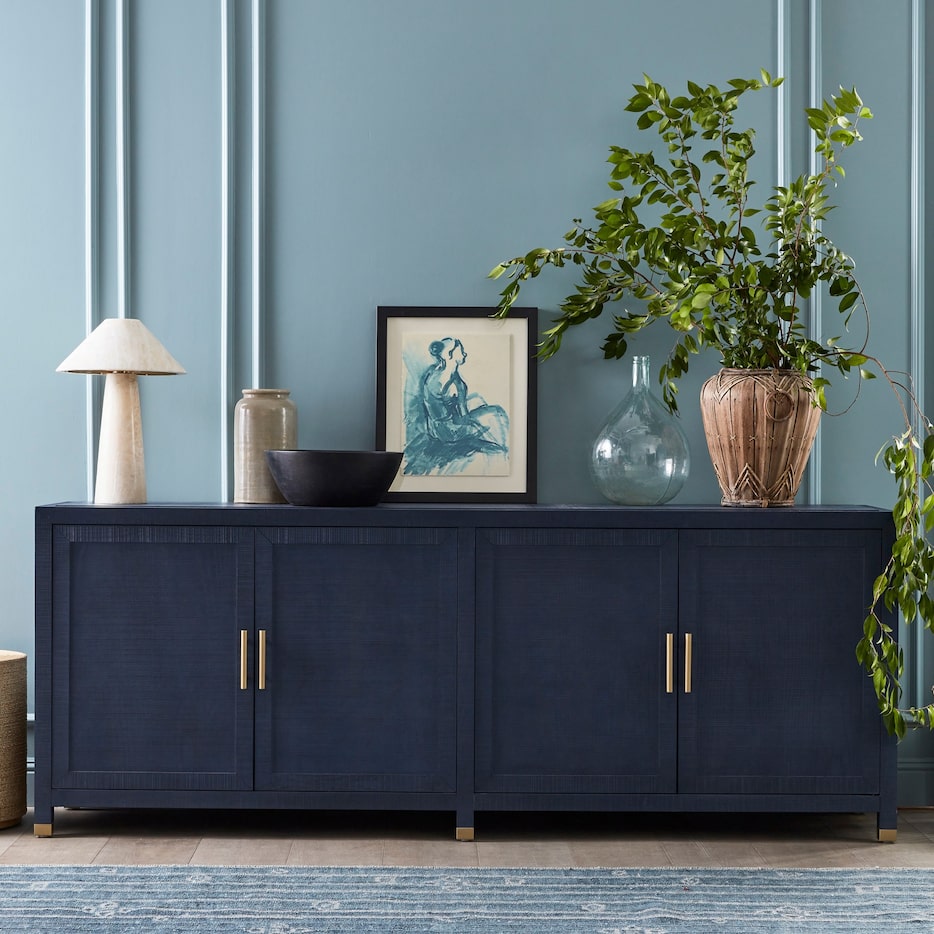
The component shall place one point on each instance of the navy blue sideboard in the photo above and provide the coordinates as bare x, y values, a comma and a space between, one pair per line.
462, 658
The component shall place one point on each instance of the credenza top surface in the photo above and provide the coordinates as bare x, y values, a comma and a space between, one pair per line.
468, 515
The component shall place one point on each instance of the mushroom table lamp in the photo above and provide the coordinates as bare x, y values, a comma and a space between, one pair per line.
123, 349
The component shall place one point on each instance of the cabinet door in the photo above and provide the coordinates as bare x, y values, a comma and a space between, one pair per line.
361, 659
571, 692
146, 658
778, 703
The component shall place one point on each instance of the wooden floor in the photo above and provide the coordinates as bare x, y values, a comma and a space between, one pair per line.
412, 839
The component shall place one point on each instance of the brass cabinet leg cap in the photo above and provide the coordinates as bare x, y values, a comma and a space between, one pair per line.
887, 836
42, 830
464, 834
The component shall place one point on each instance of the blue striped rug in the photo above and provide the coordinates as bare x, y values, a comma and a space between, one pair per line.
296, 900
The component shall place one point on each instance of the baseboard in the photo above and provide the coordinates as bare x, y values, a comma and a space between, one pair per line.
915, 781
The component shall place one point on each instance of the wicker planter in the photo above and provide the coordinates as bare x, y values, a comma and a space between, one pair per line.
12, 738
760, 426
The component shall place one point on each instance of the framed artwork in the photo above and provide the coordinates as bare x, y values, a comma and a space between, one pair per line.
456, 393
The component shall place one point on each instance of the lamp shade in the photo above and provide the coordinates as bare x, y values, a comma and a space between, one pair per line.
121, 345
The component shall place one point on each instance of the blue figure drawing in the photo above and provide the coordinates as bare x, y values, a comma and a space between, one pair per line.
448, 428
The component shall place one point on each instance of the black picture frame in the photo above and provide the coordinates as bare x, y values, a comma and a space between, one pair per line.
462, 442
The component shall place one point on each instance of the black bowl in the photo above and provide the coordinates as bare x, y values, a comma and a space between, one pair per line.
333, 478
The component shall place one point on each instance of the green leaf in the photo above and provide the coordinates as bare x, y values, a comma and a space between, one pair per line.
848, 301
638, 103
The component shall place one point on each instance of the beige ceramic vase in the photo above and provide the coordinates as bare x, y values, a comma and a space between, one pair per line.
264, 420
760, 427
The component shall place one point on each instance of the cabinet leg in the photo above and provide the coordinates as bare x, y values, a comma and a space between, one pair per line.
464, 834
43, 814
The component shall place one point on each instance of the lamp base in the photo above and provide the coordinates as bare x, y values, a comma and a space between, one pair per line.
121, 471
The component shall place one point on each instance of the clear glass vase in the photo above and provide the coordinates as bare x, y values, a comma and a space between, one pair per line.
640, 456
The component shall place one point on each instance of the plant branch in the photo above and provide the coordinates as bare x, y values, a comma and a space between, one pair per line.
702, 272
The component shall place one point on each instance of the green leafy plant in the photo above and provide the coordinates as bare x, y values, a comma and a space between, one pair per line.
682, 236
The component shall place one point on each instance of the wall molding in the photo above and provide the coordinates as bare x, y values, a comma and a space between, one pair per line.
91, 222
815, 309
783, 106
258, 146
228, 235
919, 696
122, 165
784, 169
122, 174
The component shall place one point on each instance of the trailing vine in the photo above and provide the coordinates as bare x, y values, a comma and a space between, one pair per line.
904, 586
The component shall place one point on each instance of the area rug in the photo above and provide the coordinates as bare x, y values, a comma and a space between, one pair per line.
296, 900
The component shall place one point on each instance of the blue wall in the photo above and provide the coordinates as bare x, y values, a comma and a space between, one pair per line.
407, 147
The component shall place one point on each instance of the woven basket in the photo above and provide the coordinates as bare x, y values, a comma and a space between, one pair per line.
760, 427
12, 738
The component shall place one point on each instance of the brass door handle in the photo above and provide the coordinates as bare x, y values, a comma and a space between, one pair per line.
669, 663
243, 653
261, 677
688, 661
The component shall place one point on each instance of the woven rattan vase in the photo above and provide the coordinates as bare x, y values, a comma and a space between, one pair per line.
12, 738
760, 427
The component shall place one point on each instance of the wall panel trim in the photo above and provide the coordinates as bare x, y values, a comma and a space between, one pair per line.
920, 696
122, 142
228, 238
91, 221
258, 76
815, 315
783, 115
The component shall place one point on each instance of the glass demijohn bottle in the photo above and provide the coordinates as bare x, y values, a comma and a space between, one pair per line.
640, 456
